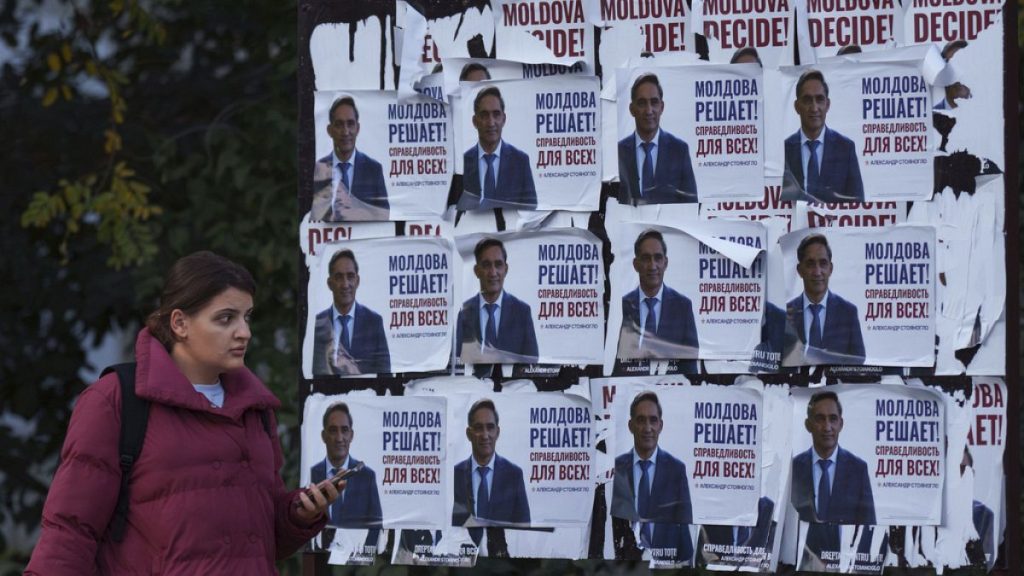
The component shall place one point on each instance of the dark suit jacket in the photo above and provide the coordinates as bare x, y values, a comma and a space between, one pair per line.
360, 507
509, 505
513, 187
368, 185
517, 340
851, 502
839, 172
759, 534
841, 339
673, 173
369, 344
671, 509
676, 335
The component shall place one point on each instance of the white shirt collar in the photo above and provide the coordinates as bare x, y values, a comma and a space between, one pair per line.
638, 140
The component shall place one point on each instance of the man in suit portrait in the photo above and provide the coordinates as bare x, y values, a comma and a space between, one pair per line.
494, 326
657, 321
358, 505
347, 184
821, 164
830, 484
821, 327
650, 488
654, 166
495, 173
348, 338
489, 490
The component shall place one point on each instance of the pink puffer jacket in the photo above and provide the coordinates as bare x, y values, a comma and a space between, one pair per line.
206, 494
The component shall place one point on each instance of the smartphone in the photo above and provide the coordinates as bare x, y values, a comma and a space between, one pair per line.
336, 480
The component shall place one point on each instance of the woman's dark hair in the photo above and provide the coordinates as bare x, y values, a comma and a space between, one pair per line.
191, 283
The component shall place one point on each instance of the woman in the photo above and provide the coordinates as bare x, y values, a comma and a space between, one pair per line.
205, 494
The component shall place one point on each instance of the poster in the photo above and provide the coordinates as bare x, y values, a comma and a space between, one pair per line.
690, 133
704, 469
525, 293
406, 327
885, 316
527, 140
887, 468
702, 288
399, 168
871, 122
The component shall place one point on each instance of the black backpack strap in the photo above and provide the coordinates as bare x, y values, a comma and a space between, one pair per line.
134, 419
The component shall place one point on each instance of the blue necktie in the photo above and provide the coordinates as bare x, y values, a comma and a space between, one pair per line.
344, 175
824, 490
643, 503
335, 510
345, 342
650, 324
483, 503
490, 184
812, 168
647, 178
814, 338
483, 495
490, 330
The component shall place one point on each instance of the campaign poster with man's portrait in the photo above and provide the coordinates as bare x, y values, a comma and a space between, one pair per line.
849, 485
686, 293
399, 168
523, 461
399, 321
684, 455
887, 468
689, 134
395, 447
531, 144
855, 296
530, 297
852, 131
461, 75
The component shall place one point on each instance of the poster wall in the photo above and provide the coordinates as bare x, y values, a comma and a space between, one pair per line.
864, 131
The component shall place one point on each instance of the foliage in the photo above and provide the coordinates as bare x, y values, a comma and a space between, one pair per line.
136, 133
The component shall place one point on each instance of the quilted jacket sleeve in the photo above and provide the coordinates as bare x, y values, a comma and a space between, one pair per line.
290, 534
84, 491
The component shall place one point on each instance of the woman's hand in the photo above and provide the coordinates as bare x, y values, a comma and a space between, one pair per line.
314, 500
